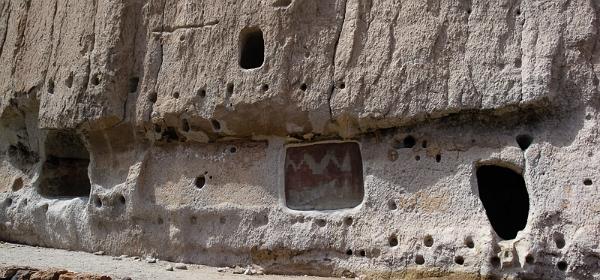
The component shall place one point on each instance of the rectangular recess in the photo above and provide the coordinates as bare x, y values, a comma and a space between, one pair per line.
324, 176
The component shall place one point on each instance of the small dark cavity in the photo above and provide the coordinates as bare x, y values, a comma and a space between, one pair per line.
229, 88
170, 134
176, 95
424, 144
265, 87
559, 240
303, 87
122, 199
562, 265
216, 125
495, 261
348, 221
157, 128
428, 241
320, 222
341, 85
438, 158
469, 242
408, 142
185, 125
200, 181
529, 259
417, 158
51, 86
133, 84
17, 184
281, 3
459, 260
518, 12
524, 141
44, 207
419, 259
349, 252
152, 97
97, 201
232, 150
202, 93
222, 220
8, 201
362, 253
393, 241
160, 221
96, 79
587, 182
182, 38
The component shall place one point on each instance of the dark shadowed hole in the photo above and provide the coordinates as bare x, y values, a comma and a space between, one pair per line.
524, 141
362, 253
176, 95
529, 259
408, 142
428, 241
232, 150
349, 252
265, 87
469, 242
438, 158
51, 86
230, 88
65, 170
200, 181
320, 222
152, 97
96, 79
252, 48
417, 158
185, 125
424, 144
393, 241
17, 184
133, 84
202, 93
216, 125
97, 201
505, 199
157, 128
562, 265
587, 182
160, 221
459, 260
8, 201
341, 85
121, 199
281, 3
419, 259
559, 240
303, 87
495, 261
348, 221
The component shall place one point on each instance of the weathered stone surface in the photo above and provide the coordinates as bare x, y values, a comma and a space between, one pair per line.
187, 148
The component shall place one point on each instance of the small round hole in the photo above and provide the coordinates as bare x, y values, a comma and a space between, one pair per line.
562, 265
265, 87
417, 158
232, 150
341, 85
182, 38
428, 241
559, 240
320, 222
216, 125
349, 252
424, 144
25, 202
393, 241
438, 158
459, 260
17, 184
348, 221
587, 182
303, 87
176, 94
44, 207
469, 11
202, 93
469, 242
133, 84
529, 259
200, 181
392, 205
518, 12
362, 253
419, 259
8, 201
409, 142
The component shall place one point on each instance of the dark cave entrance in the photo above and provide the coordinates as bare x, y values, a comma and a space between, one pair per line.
252, 48
505, 199
65, 170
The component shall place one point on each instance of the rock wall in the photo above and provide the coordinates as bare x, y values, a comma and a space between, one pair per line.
338, 137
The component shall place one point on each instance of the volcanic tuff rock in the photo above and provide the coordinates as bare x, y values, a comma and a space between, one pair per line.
424, 137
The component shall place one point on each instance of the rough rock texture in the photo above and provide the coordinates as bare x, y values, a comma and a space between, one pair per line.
131, 127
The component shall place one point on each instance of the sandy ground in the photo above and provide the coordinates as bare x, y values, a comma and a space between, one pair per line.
42, 258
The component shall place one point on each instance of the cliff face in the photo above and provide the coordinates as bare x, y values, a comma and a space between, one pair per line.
307, 136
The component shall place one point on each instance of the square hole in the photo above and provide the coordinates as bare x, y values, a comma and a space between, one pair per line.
324, 176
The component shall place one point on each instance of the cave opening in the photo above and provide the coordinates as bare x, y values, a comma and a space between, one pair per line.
252, 48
